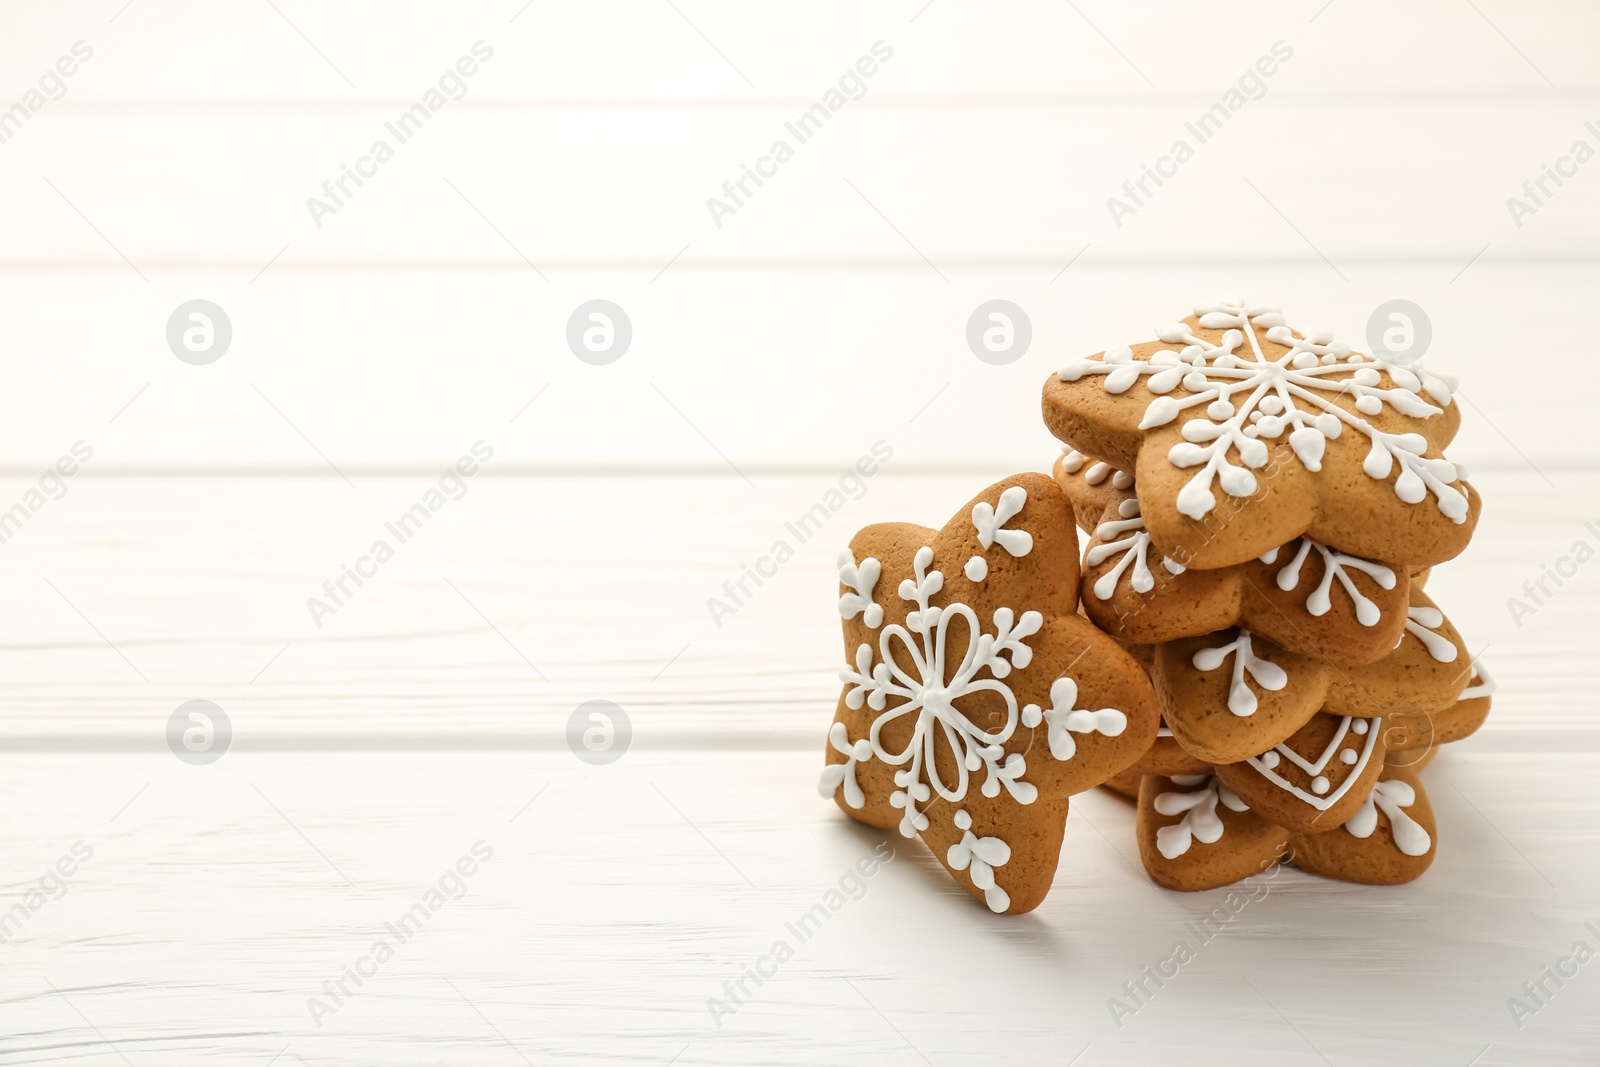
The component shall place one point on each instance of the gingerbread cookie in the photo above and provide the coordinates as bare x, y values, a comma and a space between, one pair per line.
1414, 734
1231, 695
1091, 486
1316, 779
1124, 783
1299, 434
1389, 840
975, 699
1196, 833
1166, 757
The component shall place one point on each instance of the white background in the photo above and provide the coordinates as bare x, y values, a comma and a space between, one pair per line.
826, 314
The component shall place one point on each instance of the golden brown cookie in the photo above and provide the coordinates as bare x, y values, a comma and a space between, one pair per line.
1390, 839
1305, 597
975, 699
1168, 758
1124, 784
1414, 734
1244, 434
1091, 486
1231, 695
1195, 833
1316, 779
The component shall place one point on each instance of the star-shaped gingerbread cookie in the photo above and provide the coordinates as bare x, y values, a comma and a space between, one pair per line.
1304, 596
1244, 434
975, 699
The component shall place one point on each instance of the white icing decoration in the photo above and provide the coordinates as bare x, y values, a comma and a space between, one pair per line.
1071, 459
1335, 564
983, 855
932, 698
1485, 685
1421, 623
843, 774
1135, 549
861, 578
1320, 785
1268, 675
1200, 820
989, 520
1391, 796
1274, 392
1066, 720
1348, 756
1321, 801
977, 569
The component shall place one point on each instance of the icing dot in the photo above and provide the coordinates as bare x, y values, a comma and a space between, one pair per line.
977, 569
1270, 760
1369, 405
1358, 727
1348, 756
1319, 785
1219, 409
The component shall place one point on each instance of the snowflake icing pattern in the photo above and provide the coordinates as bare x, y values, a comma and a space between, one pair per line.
1289, 394
925, 641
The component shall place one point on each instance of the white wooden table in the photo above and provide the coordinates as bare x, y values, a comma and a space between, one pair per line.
207, 906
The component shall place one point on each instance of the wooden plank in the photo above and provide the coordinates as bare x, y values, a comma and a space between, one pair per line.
771, 369
530, 596
623, 48
624, 897
1023, 181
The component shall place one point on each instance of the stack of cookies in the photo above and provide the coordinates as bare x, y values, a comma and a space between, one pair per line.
1264, 506
1243, 644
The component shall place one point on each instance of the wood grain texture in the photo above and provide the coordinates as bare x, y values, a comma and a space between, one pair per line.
218, 900
429, 712
530, 595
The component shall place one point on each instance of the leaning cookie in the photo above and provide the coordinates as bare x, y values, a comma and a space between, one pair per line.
1304, 596
1231, 695
1231, 411
1413, 739
975, 699
1389, 840
1195, 833
1315, 780
1090, 485
1124, 784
